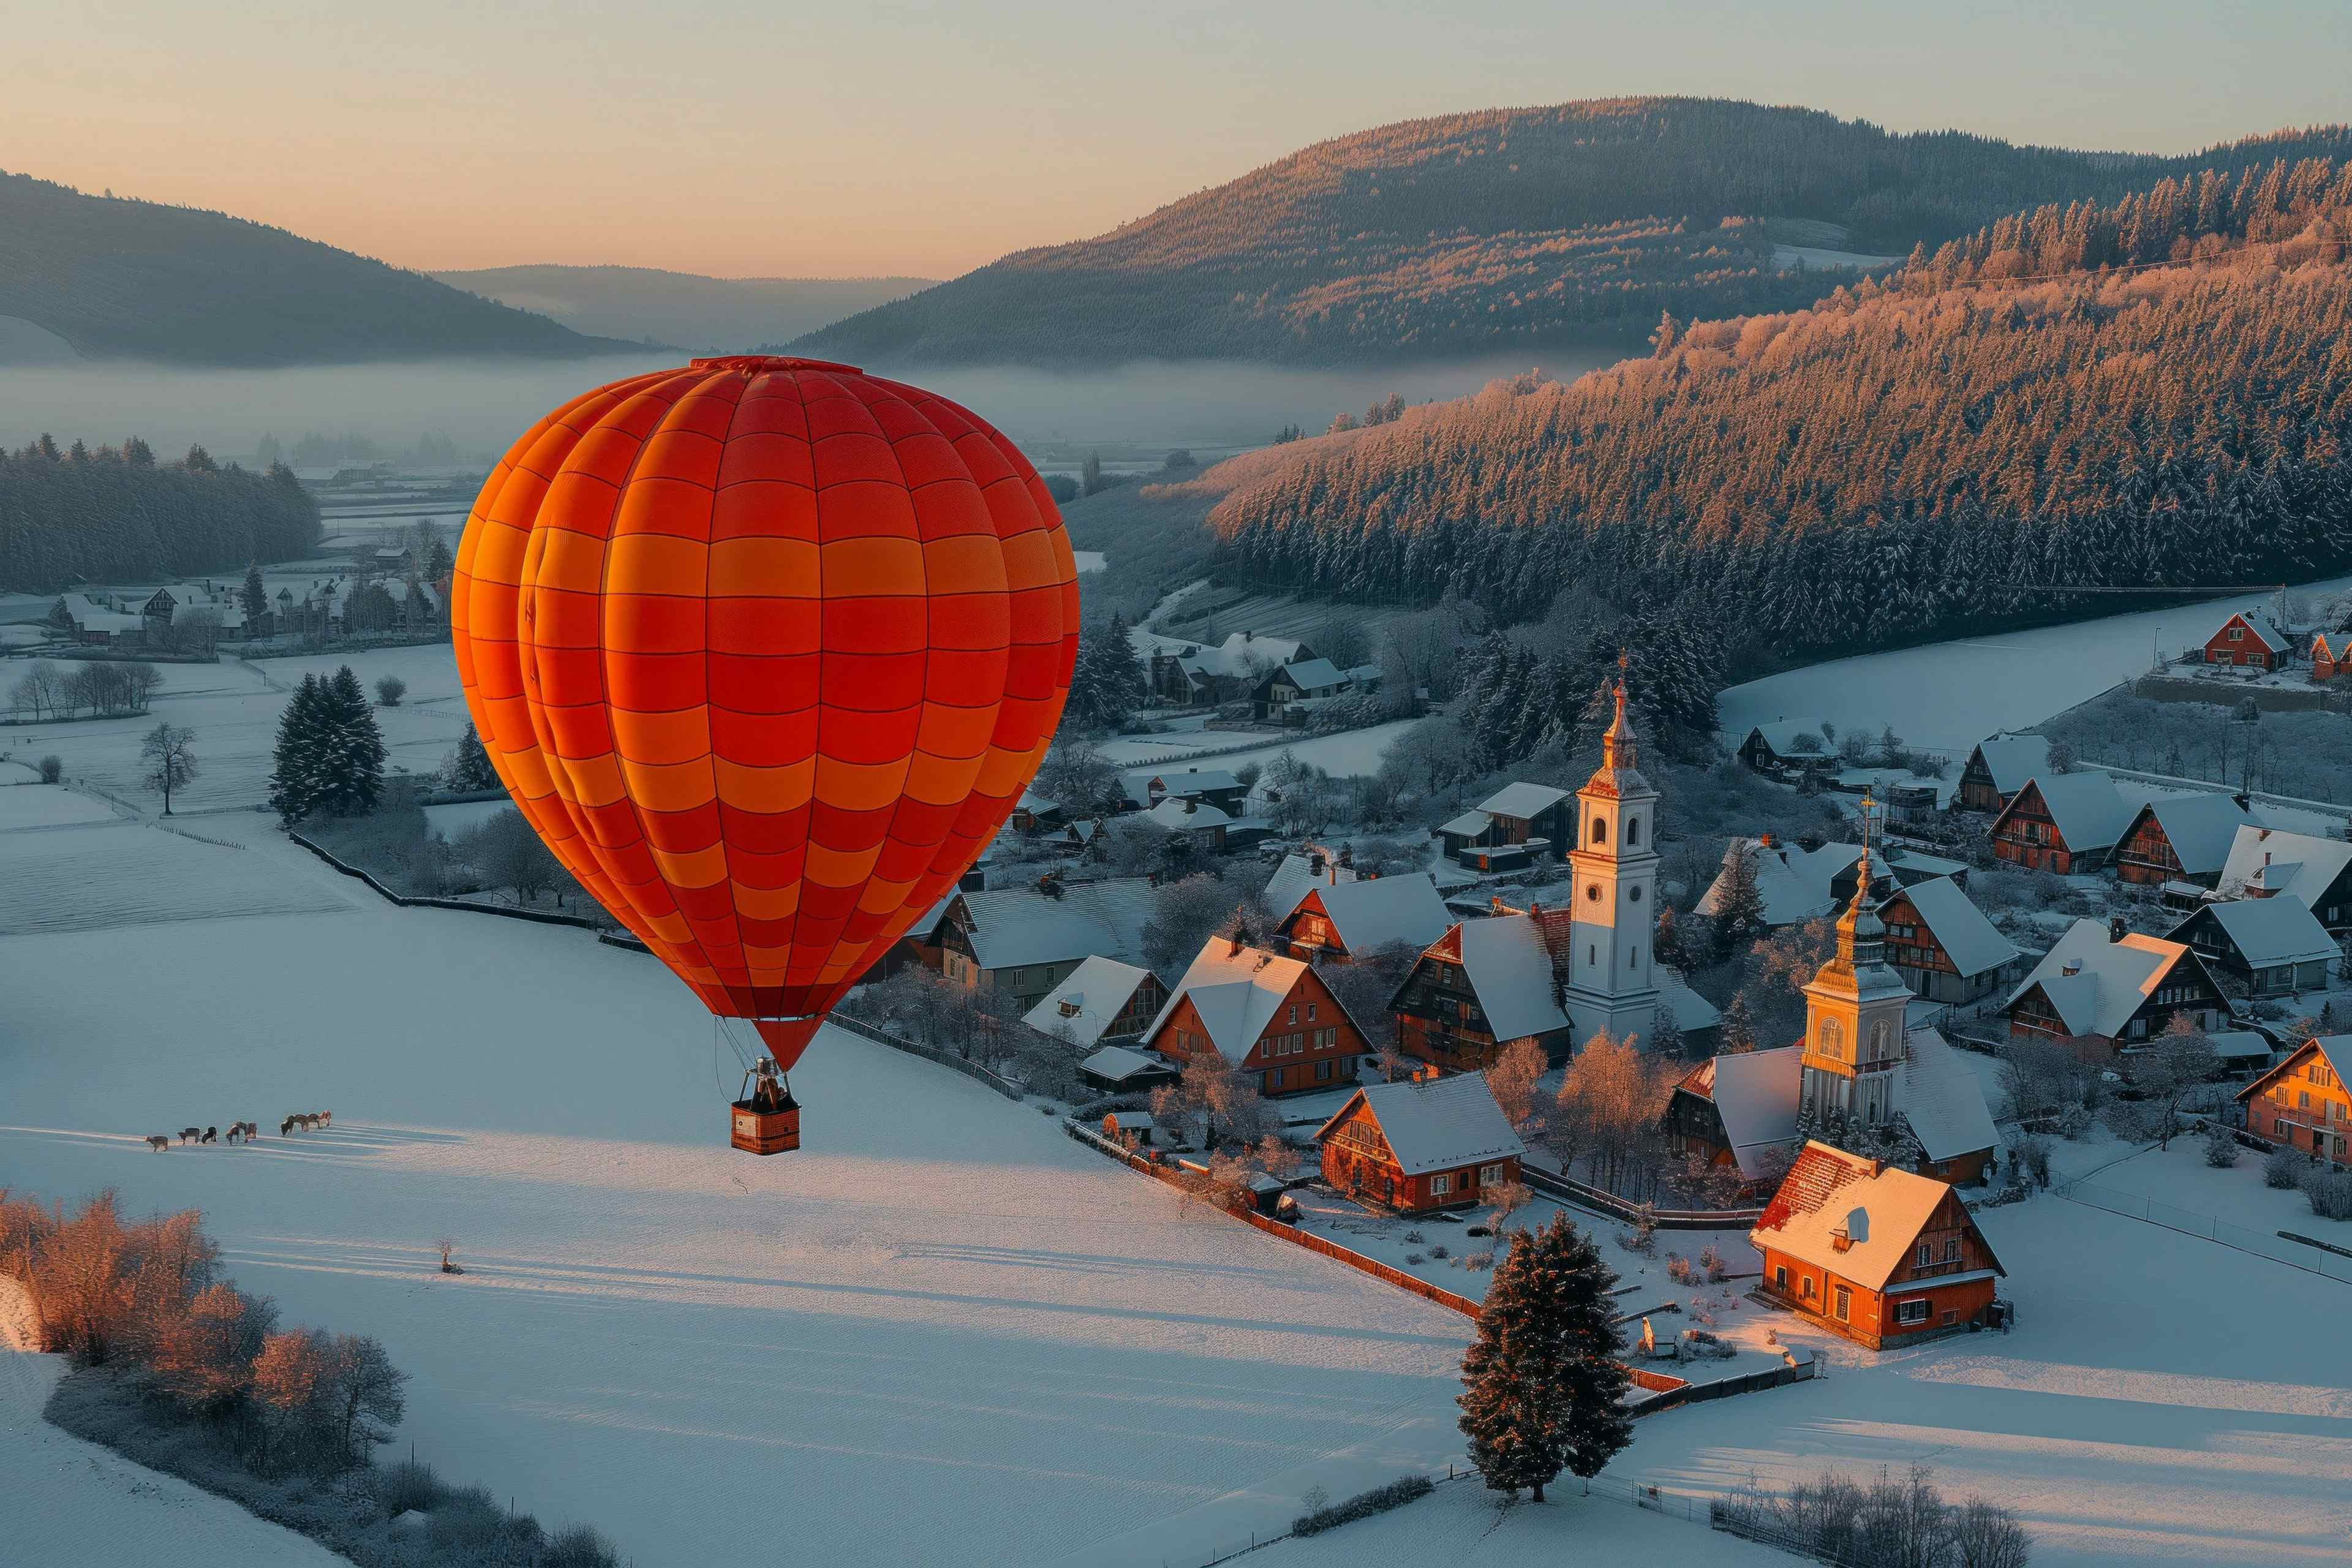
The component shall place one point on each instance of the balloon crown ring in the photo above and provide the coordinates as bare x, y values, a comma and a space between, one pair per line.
755, 364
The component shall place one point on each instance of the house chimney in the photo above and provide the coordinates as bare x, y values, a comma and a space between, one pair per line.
1764, 841
2072, 966
1235, 949
1315, 860
1497, 900
1191, 805
2116, 929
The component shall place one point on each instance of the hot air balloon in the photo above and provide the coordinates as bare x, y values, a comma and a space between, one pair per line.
765, 649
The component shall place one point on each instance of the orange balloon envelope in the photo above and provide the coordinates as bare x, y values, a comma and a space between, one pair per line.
765, 649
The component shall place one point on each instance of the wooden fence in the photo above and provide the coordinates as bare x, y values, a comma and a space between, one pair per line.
969, 1070
407, 900
1573, 1191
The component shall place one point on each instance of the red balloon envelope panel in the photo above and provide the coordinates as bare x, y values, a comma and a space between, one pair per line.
765, 649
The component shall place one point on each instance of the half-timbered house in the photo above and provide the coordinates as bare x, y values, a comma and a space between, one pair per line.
1337, 922
2102, 986
2180, 838
1942, 944
2062, 822
2271, 947
1999, 767
2302, 1102
1269, 1017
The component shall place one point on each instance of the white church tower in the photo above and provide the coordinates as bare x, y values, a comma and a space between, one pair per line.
1609, 980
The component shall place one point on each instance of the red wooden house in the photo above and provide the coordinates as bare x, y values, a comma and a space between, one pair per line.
2302, 1102
2061, 822
1344, 920
2249, 640
2180, 838
2103, 987
1269, 1017
1420, 1144
1874, 1252
2331, 655
1999, 767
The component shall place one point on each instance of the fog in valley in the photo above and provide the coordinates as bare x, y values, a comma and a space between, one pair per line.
481, 405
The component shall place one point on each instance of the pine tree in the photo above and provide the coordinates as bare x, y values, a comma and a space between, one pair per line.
254, 596
437, 564
1736, 1034
1740, 907
1544, 1390
350, 747
468, 769
294, 781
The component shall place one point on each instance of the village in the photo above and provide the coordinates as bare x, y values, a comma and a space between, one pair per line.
1785, 1088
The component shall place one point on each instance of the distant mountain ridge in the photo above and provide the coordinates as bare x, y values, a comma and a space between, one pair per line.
120, 279
1487, 231
685, 309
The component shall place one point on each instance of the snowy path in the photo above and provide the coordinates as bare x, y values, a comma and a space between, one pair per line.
97, 1509
1950, 695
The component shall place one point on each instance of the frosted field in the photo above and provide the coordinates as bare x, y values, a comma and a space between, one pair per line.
1950, 695
1341, 755
234, 707
116, 874
942, 1333
32, 807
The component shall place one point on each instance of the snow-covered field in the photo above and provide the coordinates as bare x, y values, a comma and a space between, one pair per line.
234, 707
943, 1332
28, 806
1950, 695
1349, 753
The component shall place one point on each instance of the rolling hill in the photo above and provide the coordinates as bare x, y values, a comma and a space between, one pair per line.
703, 315
118, 279
2158, 391
1476, 234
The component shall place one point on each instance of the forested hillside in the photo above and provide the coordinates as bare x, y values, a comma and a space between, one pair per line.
702, 315
116, 515
1894, 463
1495, 231
131, 279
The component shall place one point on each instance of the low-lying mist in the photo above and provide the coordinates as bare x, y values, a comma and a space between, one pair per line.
482, 406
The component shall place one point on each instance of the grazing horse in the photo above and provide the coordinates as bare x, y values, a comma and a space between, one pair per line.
250, 1129
190, 1135
158, 1141
286, 1127
212, 1135
326, 1119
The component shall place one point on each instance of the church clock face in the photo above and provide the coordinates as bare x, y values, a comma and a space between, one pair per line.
1634, 895
1592, 893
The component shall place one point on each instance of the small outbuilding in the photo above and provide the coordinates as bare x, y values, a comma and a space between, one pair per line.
1341, 921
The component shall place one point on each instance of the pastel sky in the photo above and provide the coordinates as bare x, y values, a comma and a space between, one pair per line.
881, 136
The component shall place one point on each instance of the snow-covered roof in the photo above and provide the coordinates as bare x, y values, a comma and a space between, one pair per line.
1508, 965
1297, 874
1313, 675
1959, 928
2334, 1050
2090, 812
2199, 827
1369, 914
1232, 656
1011, 926
1942, 1097
1755, 1093
1179, 814
1098, 989
1794, 883
1781, 734
1179, 782
2111, 979
1690, 1010
1236, 991
1115, 1064
2014, 759
1036, 804
1832, 1197
2237, 1045
1435, 1124
1522, 800
2296, 863
1470, 823
2265, 630
2269, 931
108, 621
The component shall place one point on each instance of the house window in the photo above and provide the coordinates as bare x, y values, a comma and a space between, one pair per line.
1601, 830
1294, 1012
2237, 634
1780, 1277
1950, 1316
1489, 1174
1274, 1079
1912, 1311
1952, 1250
1808, 1291
1310, 1012
1441, 1184
1926, 1254
1323, 1072
1844, 1307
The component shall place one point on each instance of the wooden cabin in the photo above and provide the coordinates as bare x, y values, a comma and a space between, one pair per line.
2065, 823
2103, 987
1266, 1015
2249, 640
1942, 944
1339, 922
1421, 1144
2272, 947
1513, 827
1997, 768
2331, 655
1877, 1254
1784, 745
2302, 1102
2180, 838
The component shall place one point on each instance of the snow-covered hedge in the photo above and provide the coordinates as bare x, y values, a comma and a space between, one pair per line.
1363, 1505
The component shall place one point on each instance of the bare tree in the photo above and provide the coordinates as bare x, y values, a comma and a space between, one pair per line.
1513, 1077
368, 1398
169, 756
2174, 1064
40, 691
507, 854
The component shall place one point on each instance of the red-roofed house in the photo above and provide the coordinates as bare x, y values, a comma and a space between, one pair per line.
1874, 1252
2250, 640
1269, 1017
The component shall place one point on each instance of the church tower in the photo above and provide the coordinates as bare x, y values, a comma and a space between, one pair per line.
1855, 1017
1613, 910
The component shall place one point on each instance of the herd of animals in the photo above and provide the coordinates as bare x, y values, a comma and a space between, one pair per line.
244, 1131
